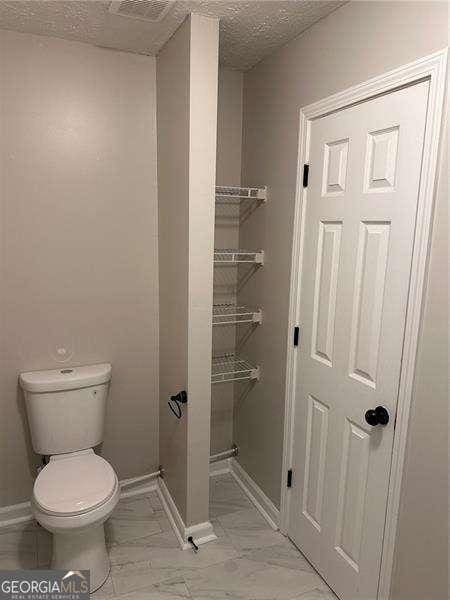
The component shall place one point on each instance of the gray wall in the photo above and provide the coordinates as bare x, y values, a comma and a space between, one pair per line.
226, 235
172, 75
187, 72
356, 42
204, 54
423, 527
229, 127
78, 239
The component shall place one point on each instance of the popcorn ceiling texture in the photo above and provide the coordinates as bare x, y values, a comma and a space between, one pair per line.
249, 31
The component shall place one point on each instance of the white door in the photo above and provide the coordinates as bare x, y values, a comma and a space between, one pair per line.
359, 224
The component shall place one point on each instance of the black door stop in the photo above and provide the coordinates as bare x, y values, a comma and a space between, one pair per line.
194, 545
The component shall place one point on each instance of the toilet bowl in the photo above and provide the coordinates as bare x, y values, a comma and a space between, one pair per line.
73, 496
77, 490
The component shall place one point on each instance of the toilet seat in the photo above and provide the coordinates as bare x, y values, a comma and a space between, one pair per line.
74, 484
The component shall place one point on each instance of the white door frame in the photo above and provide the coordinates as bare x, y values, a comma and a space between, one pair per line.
433, 68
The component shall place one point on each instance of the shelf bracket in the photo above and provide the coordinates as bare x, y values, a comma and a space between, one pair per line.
257, 316
259, 257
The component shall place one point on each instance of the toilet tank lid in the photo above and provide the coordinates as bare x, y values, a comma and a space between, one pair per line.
67, 378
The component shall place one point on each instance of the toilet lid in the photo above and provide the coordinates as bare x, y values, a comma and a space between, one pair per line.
74, 485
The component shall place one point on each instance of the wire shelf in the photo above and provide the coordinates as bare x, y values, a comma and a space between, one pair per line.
232, 368
230, 314
229, 255
231, 194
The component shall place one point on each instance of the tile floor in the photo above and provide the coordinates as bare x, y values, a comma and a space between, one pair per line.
249, 561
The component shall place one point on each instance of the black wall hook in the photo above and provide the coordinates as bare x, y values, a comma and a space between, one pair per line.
175, 403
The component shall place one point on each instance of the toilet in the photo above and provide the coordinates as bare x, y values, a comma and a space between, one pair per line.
77, 490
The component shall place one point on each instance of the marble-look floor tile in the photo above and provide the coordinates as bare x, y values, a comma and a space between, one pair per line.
130, 577
169, 590
106, 592
249, 561
133, 518
223, 580
159, 516
211, 553
248, 530
18, 549
155, 500
317, 594
148, 507
218, 529
242, 579
282, 555
165, 539
134, 508
239, 567
139, 550
120, 530
44, 548
226, 497
130, 552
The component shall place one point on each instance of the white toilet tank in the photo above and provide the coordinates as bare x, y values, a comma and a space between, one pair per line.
66, 407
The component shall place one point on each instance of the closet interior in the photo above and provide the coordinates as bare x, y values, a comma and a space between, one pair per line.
234, 372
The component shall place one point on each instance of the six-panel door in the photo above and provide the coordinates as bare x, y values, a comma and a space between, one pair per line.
359, 231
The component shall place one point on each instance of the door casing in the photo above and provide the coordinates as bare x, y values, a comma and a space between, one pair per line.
433, 68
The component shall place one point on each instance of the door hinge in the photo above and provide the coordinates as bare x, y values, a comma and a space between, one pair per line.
296, 335
305, 175
289, 478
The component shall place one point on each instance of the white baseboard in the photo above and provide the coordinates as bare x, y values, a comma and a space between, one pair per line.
202, 533
135, 486
172, 511
15, 514
220, 467
257, 497
255, 494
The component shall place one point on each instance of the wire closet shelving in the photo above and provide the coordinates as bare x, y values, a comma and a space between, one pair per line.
234, 256
230, 314
232, 368
234, 195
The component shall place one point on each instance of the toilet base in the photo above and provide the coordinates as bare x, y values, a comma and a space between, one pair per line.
85, 550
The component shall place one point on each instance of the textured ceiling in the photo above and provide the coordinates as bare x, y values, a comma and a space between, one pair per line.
249, 31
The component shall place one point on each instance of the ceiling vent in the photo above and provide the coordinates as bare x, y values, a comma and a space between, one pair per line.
145, 10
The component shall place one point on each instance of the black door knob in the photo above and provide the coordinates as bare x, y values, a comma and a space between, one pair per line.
377, 416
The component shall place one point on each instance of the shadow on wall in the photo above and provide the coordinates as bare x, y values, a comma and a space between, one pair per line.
34, 460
